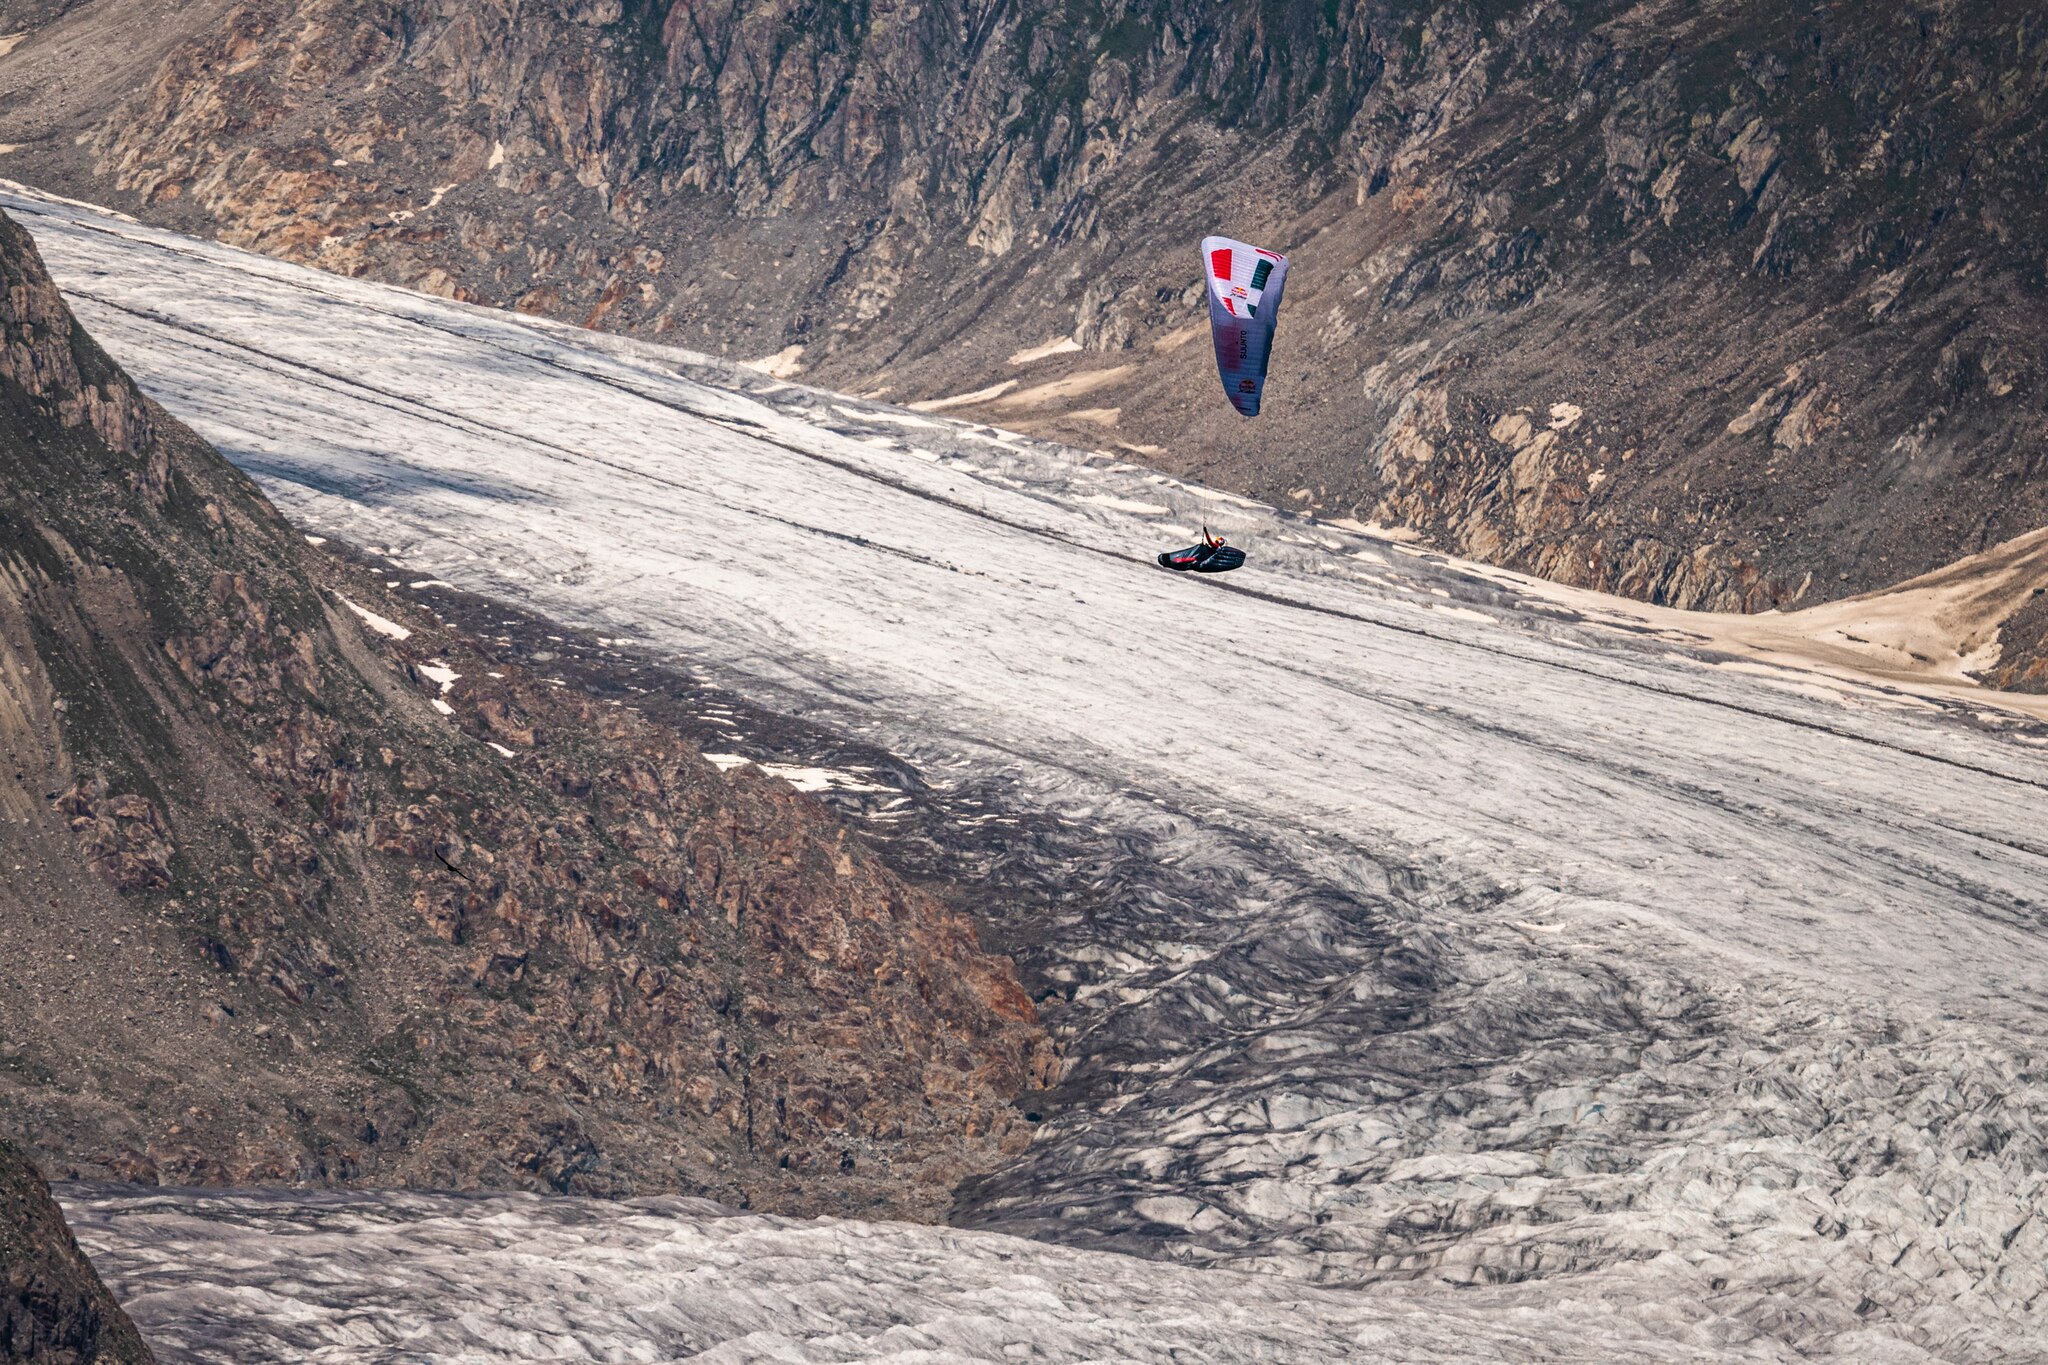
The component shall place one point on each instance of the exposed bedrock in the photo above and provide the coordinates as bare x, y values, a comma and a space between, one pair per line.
53, 1308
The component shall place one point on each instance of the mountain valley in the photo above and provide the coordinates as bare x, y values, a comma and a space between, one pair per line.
1447, 940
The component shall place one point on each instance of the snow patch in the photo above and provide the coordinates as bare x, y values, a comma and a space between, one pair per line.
889, 415
819, 779
1074, 385
1101, 417
383, 625
436, 671
781, 365
1060, 346
961, 400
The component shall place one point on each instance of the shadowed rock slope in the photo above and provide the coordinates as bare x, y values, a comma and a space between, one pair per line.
53, 1308
291, 898
1723, 305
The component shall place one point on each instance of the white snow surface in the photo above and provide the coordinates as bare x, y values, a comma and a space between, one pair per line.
810, 779
436, 672
1453, 949
383, 625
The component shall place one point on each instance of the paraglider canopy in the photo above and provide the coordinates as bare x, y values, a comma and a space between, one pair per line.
1244, 303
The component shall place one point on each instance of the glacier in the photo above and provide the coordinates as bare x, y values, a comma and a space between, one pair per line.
1445, 970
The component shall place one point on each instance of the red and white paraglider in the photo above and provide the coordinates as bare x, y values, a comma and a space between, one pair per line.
1244, 285
1244, 304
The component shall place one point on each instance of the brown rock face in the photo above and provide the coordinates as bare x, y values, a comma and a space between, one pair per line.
292, 900
1731, 308
123, 837
53, 1308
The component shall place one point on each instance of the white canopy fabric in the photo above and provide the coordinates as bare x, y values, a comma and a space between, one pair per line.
1244, 303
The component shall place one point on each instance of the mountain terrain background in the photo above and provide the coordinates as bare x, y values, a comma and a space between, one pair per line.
1729, 305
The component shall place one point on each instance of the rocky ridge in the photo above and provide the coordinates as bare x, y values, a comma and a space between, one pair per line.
307, 887
53, 1308
1724, 306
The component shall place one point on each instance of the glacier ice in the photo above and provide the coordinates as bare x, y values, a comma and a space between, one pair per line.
1412, 939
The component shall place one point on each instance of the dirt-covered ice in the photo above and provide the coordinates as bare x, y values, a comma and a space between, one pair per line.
380, 1279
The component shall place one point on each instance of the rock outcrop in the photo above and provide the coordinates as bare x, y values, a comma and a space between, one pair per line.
303, 886
53, 1308
1729, 307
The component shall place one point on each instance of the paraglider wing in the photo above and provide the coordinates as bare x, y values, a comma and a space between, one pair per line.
1244, 303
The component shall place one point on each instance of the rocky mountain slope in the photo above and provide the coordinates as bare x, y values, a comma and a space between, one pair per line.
304, 886
53, 1308
1720, 305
